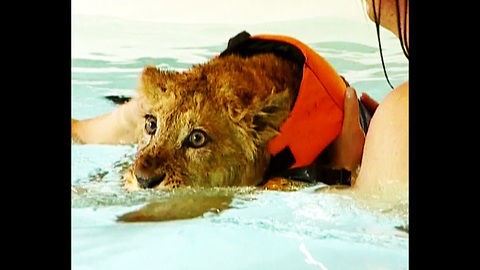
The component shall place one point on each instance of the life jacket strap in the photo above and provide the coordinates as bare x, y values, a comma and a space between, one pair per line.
315, 172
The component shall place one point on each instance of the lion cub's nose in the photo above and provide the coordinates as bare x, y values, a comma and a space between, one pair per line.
146, 171
149, 182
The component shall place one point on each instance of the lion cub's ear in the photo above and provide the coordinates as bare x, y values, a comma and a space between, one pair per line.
154, 81
271, 113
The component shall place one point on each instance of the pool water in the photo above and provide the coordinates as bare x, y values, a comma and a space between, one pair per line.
304, 229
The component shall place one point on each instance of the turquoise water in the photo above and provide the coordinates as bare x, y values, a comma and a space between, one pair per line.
262, 229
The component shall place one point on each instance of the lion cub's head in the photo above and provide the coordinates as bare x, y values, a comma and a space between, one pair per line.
209, 126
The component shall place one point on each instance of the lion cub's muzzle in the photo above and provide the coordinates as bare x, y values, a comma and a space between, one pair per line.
150, 182
146, 172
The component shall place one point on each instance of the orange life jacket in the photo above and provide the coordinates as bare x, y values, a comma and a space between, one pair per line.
317, 116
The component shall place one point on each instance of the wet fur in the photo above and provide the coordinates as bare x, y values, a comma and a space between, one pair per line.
238, 102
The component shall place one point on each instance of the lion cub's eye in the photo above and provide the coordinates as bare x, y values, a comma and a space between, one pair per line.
150, 124
197, 139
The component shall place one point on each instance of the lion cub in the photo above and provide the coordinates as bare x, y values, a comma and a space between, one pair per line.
209, 126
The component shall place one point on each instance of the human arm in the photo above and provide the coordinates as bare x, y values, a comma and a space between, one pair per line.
117, 127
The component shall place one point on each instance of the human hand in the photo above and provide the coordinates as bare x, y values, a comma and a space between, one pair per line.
345, 152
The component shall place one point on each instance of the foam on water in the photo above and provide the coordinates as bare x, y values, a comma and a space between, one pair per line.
268, 230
